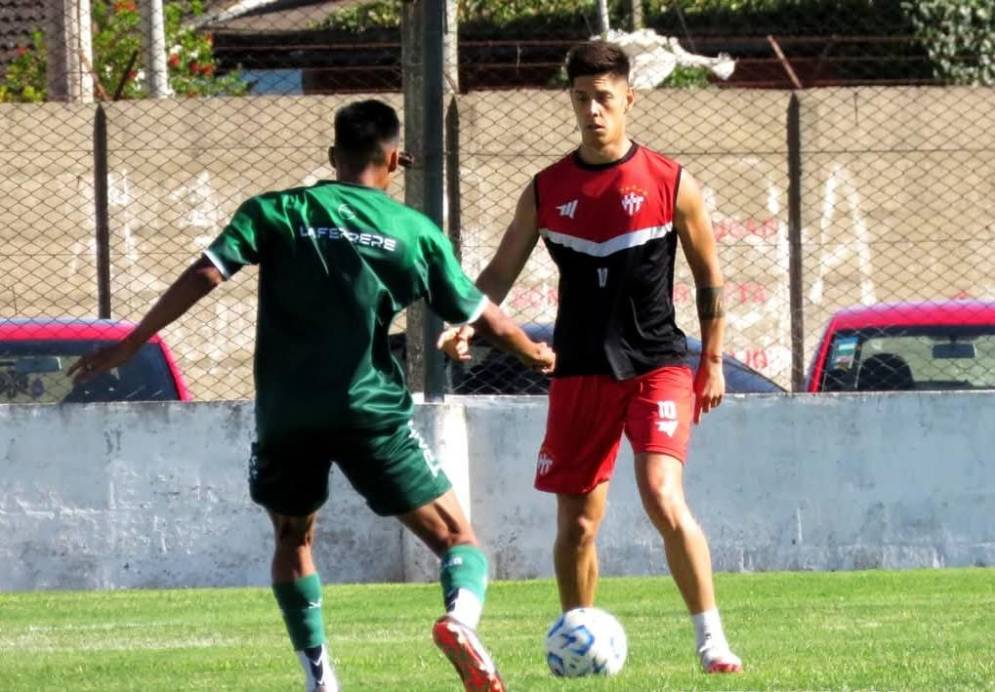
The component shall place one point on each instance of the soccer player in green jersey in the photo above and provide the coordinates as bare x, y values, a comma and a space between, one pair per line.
338, 260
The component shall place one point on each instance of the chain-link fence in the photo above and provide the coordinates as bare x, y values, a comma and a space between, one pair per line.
833, 176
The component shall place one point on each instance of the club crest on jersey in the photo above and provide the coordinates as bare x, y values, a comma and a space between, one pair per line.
568, 209
346, 212
632, 199
544, 463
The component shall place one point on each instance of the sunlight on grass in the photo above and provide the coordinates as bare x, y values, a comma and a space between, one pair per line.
920, 629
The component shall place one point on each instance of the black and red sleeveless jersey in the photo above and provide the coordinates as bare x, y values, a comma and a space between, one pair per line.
610, 230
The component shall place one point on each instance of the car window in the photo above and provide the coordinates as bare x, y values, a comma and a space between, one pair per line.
34, 372
906, 358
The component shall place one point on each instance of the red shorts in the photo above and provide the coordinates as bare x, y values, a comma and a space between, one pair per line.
588, 413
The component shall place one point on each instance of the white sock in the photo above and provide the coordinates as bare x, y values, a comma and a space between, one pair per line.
318, 668
708, 629
466, 608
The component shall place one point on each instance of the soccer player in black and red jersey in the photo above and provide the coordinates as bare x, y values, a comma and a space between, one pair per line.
611, 214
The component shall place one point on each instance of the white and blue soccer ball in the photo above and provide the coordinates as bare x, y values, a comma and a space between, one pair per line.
586, 641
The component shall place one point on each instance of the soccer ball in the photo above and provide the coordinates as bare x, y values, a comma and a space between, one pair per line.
585, 641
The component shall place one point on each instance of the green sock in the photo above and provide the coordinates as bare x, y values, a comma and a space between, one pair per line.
300, 602
463, 574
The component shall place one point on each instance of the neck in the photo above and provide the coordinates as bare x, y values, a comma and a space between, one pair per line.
368, 177
605, 153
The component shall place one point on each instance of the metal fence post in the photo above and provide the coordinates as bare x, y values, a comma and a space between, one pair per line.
424, 130
101, 214
433, 133
796, 293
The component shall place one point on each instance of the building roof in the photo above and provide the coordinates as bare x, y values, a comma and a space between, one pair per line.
268, 15
17, 19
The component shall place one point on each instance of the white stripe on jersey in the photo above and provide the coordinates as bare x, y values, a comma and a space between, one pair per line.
621, 242
477, 312
218, 264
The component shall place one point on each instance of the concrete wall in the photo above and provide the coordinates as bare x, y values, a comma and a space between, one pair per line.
898, 196
778, 482
105, 496
733, 142
48, 261
178, 170
141, 495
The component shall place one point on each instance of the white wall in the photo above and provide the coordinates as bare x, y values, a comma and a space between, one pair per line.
819, 482
119, 495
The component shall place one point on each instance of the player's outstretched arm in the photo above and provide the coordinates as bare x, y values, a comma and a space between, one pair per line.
508, 336
500, 273
194, 283
516, 245
698, 241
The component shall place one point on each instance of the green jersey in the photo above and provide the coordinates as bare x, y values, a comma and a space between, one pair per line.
337, 263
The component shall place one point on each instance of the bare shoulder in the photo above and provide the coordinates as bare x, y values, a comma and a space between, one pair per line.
688, 194
526, 213
691, 218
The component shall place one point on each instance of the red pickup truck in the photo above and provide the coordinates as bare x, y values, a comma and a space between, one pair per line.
36, 353
907, 346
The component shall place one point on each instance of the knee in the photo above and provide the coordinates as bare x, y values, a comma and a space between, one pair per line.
580, 531
443, 540
293, 533
667, 507
442, 533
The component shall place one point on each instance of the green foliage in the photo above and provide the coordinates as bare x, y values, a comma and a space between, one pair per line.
365, 16
959, 36
191, 64
24, 81
118, 56
475, 16
576, 19
687, 78
778, 17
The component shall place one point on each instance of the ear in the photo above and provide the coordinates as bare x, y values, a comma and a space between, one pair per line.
392, 160
630, 98
331, 156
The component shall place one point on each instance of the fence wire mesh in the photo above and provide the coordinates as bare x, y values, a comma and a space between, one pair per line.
834, 178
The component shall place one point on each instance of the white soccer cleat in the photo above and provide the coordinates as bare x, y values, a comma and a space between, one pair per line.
719, 658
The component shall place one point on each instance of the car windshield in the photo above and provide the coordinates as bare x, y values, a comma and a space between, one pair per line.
34, 372
904, 358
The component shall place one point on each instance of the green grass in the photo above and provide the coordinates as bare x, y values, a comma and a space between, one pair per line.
914, 630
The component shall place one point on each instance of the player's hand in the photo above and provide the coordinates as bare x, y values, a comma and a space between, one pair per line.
455, 342
101, 360
709, 387
542, 360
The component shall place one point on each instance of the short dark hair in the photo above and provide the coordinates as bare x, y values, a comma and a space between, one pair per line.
597, 57
361, 131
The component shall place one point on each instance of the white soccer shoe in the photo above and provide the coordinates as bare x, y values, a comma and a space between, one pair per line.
719, 658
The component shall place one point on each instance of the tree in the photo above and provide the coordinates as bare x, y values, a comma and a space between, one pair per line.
959, 36
117, 57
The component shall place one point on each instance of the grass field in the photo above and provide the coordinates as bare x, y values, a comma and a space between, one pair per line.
915, 630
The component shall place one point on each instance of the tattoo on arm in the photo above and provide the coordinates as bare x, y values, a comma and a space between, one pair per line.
710, 303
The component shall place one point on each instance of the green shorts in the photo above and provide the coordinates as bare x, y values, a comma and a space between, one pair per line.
395, 472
